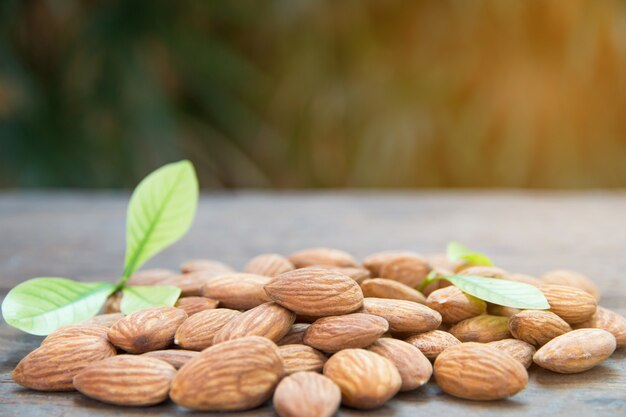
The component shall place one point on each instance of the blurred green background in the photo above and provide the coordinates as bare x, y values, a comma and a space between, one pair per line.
313, 93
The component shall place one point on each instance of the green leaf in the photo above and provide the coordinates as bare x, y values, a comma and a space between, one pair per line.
160, 212
461, 253
41, 305
140, 297
500, 291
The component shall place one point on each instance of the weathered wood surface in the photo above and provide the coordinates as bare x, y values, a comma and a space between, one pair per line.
81, 236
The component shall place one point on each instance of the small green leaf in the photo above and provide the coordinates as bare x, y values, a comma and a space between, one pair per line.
41, 305
160, 212
140, 297
460, 253
500, 291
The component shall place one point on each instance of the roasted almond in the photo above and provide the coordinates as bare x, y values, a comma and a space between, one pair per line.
150, 276
209, 265
415, 369
236, 375
175, 357
295, 335
237, 291
572, 279
610, 321
403, 316
299, 358
307, 394
356, 330
126, 380
146, 330
410, 270
454, 305
375, 261
476, 371
199, 330
482, 329
269, 320
432, 343
106, 320
576, 351
366, 379
570, 303
519, 349
77, 330
537, 327
388, 288
269, 265
193, 305
316, 292
321, 256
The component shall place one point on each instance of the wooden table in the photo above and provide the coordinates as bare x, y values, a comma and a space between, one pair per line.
81, 236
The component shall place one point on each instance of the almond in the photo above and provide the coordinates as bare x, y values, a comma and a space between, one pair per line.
479, 372
209, 265
193, 305
520, 350
307, 394
357, 274
175, 357
432, 343
299, 358
356, 330
403, 316
482, 329
269, 265
77, 330
572, 279
269, 320
106, 320
295, 335
409, 269
375, 261
146, 330
321, 256
52, 366
576, 351
237, 291
415, 369
190, 284
525, 279
388, 288
316, 292
150, 276
485, 271
610, 321
236, 375
454, 305
504, 311
126, 380
537, 327
199, 330
441, 261
571, 304
366, 379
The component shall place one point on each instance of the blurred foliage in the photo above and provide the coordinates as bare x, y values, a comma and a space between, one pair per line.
313, 93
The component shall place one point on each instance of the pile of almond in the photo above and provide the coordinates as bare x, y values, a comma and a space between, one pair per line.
316, 329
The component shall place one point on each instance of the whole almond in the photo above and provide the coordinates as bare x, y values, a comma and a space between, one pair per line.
476, 371
504, 311
175, 357
410, 270
375, 261
525, 279
190, 284
209, 265
610, 321
432, 343
198, 331
415, 369
441, 261
570, 303
237, 291
193, 305
146, 330
236, 375
356, 330
572, 279
316, 292
52, 366
403, 316
537, 327
299, 358
485, 271
519, 349
150, 276
366, 379
321, 256
356, 273
269, 320
454, 305
307, 394
106, 320
388, 288
482, 329
126, 380
77, 330
576, 351
269, 265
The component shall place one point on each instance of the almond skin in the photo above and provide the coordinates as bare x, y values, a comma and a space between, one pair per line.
209, 265
321, 256
126, 380
356, 330
150, 276
482, 329
375, 261
576, 351
106, 320
388, 288
537, 327
409, 269
572, 279
237, 291
299, 358
269, 265
454, 305
52, 366
146, 330
366, 379
610, 321
269, 320
74, 330
295, 335
476, 371
307, 394
571, 304
316, 292
403, 316
198, 331
175, 357
193, 305
519, 349
243, 374
415, 369
190, 284
432, 343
